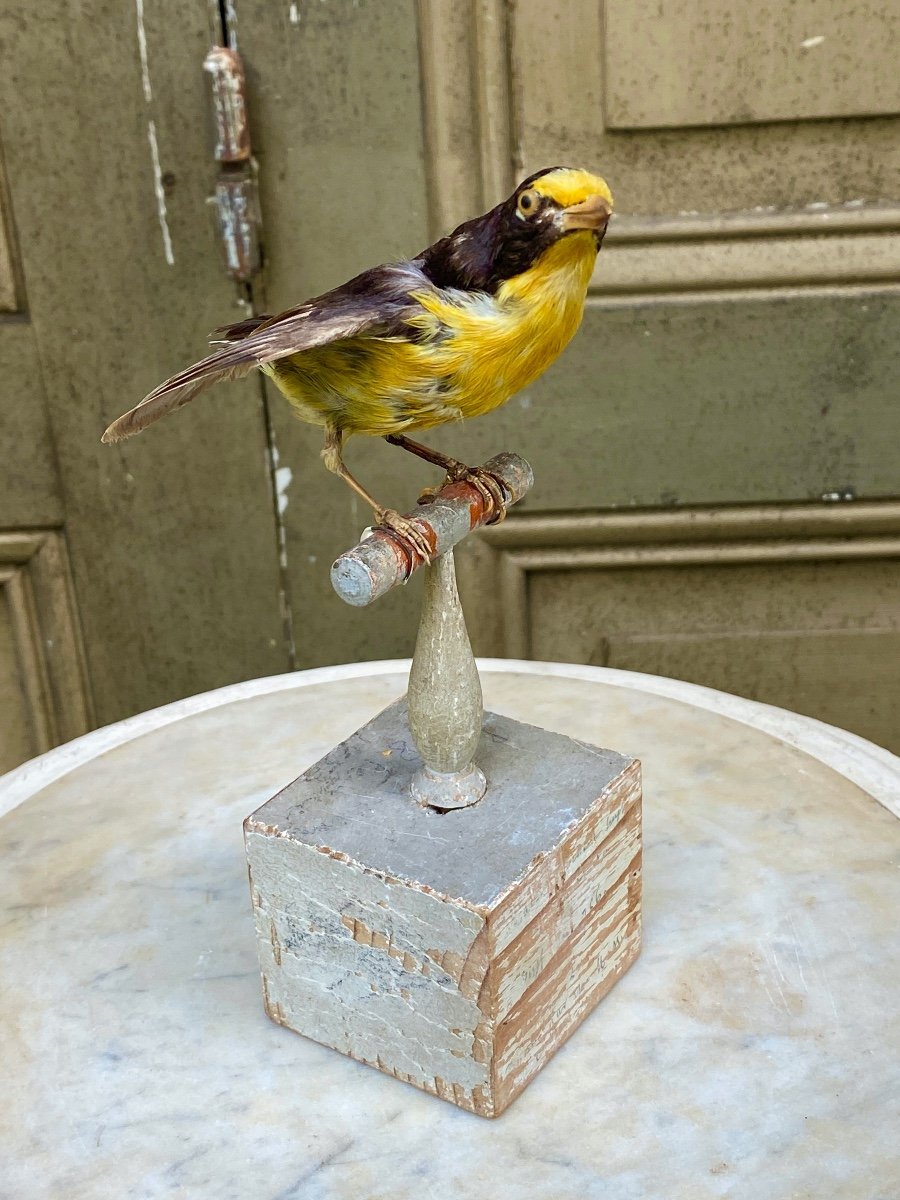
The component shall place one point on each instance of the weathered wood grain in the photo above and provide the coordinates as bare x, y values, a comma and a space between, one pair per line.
9, 291
527, 957
573, 981
29, 487
453, 952
548, 875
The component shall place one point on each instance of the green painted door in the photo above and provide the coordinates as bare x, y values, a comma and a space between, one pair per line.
716, 454
44, 695
110, 277
718, 493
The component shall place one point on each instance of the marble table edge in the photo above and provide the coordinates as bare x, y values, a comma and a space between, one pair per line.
871, 767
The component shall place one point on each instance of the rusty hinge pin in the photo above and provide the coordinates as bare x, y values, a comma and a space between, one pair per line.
235, 198
238, 223
229, 105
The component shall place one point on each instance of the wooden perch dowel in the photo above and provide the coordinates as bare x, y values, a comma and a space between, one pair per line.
384, 558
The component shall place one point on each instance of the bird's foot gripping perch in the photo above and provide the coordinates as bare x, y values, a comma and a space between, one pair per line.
407, 530
391, 551
488, 485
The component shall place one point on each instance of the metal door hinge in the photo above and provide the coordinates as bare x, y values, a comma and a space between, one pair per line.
235, 198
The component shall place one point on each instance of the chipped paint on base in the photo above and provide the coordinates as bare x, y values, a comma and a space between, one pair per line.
458, 952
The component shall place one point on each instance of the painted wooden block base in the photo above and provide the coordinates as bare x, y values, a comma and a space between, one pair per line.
454, 951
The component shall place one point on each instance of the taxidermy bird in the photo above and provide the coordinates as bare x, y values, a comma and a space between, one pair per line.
452, 333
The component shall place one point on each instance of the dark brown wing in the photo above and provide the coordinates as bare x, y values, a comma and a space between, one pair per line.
239, 329
375, 303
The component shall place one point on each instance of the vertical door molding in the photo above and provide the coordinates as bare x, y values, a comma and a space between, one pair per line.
171, 536
36, 584
10, 278
464, 52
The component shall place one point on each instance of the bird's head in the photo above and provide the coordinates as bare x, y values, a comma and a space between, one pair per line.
551, 204
546, 207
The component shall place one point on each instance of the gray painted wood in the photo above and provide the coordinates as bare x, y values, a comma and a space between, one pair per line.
541, 784
454, 951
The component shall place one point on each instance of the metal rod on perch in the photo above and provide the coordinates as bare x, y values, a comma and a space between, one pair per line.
444, 698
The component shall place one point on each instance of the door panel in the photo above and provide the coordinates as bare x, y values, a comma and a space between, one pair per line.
45, 696
29, 486
723, 198
828, 647
673, 64
795, 605
738, 350
707, 403
172, 536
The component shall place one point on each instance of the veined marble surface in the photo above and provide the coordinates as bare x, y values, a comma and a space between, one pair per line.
752, 1051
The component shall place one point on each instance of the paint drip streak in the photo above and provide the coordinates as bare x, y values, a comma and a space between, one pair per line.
151, 137
160, 194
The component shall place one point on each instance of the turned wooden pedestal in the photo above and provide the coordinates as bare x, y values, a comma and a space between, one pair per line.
455, 951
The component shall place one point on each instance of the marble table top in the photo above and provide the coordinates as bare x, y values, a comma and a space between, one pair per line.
752, 1051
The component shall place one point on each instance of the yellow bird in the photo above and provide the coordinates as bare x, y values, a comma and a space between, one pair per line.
453, 333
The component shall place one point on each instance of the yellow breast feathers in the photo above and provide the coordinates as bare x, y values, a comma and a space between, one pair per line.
490, 347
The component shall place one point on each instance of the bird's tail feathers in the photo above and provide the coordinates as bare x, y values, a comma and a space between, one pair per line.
249, 343
176, 392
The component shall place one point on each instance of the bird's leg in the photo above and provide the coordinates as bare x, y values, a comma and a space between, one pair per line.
332, 457
487, 484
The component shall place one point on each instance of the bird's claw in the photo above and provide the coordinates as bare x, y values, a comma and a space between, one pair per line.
408, 531
487, 485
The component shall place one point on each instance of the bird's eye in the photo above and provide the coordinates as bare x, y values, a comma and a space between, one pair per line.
528, 203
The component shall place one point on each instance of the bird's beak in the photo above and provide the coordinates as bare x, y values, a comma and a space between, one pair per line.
592, 213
